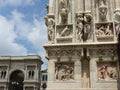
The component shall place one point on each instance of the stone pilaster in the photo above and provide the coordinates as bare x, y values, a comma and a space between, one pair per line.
92, 72
51, 6
51, 70
77, 71
80, 6
117, 4
87, 5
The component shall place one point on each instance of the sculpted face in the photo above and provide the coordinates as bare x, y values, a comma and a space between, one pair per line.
103, 10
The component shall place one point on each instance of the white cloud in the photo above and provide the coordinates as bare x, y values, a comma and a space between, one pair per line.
17, 27
23, 28
16, 2
7, 39
38, 35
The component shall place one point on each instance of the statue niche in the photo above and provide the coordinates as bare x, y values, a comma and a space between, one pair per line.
64, 6
102, 12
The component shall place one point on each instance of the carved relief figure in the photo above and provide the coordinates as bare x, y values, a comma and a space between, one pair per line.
64, 6
50, 25
108, 30
79, 26
66, 31
104, 29
100, 30
107, 72
117, 22
102, 13
117, 28
64, 72
87, 26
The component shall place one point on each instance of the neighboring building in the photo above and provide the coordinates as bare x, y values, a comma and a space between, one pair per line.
20, 72
44, 78
82, 44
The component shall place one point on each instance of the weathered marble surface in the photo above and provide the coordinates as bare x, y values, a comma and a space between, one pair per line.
85, 34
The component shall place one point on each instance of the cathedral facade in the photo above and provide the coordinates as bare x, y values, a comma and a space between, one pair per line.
82, 44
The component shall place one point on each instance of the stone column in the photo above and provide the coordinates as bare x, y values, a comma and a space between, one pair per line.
85, 73
117, 2
87, 5
77, 70
80, 6
26, 72
51, 69
92, 72
51, 6
36, 73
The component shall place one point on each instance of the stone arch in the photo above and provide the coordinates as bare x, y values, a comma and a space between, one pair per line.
16, 79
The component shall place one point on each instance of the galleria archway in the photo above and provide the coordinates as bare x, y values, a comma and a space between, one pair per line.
16, 80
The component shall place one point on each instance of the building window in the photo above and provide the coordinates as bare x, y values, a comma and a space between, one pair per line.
3, 74
31, 74
44, 77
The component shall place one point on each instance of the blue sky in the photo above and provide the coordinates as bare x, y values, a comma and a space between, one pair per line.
22, 28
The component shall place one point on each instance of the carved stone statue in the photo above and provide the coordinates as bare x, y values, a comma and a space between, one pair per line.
66, 31
117, 28
64, 6
116, 17
108, 30
87, 26
64, 14
102, 13
117, 22
79, 26
50, 25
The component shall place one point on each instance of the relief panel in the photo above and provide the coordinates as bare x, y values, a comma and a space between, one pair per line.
104, 31
64, 33
64, 71
107, 71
